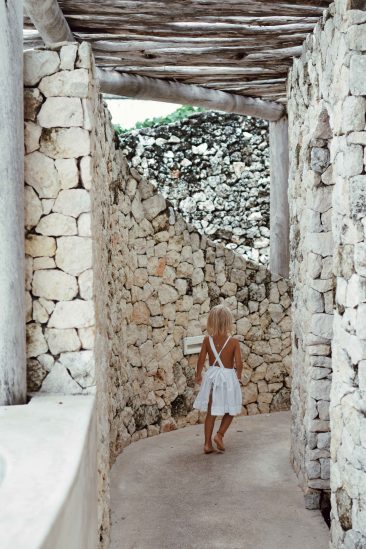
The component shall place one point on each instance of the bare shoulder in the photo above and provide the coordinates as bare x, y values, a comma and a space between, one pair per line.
235, 341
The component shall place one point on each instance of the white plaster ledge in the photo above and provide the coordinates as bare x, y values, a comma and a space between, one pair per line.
48, 484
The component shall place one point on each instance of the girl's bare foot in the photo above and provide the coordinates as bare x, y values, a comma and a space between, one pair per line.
219, 442
208, 449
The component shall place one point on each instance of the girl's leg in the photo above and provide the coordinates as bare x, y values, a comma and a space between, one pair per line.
209, 426
224, 425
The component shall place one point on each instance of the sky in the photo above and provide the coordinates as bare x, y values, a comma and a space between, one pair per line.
127, 112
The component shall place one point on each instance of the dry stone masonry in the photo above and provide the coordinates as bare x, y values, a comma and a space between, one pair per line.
60, 308
327, 99
214, 169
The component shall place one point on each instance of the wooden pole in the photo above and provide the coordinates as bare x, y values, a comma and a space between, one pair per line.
143, 87
279, 208
12, 291
49, 20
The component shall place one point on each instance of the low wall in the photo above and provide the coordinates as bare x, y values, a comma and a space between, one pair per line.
48, 494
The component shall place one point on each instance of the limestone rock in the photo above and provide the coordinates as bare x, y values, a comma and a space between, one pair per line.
41, 174
68, 172
35, 375
54, 285
72, 314
358, 75
153, 206
68, 56
66, 84
33, 207
81, 367
72, 202
87, 337
74, 254
65, 142
36, 343
59, 381
84, 225
32, 134
86, 171
32, 102
37, 246
39, 63
86, 284
60, 341
62, 112
40, 314
57, 225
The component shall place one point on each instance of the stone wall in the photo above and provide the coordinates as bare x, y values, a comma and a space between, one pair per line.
327, 90
60, 308
214, 169
163, 278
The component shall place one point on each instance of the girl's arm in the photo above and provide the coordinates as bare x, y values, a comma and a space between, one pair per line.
201, 360
238, 360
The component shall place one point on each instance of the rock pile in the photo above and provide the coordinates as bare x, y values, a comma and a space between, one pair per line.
214, 169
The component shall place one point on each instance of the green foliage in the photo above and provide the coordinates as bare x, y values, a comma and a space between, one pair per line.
179, 114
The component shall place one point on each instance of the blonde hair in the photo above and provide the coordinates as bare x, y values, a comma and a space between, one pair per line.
220, 320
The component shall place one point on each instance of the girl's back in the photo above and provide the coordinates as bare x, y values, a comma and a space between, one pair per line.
230, 353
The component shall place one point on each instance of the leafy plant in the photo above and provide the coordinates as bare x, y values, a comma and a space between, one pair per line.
179, 114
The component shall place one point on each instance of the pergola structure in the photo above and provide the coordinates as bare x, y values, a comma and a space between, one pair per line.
231, 56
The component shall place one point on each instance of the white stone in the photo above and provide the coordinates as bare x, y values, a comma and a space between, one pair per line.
360, 258
353, 114
47, 204
68, 57
87, 337
81, 367
86, 171
61, 112
320, 243
39, 63
65, 142
33, 207
39, 313
72, 314
361, 321
41, 174
43, 263
68, 172
54, 284
356, 291
74, 254
28, 307
32, 134
72, 202
321, 199
84, 224
38, 246
153, 206
47, 304
47, 361
322, 325
167, 294
84, 56
60, 341
357, 192
36, 343
59, 381
66, 84
86, 284
358, 74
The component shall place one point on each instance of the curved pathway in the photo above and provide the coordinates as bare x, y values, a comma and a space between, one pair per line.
166, 494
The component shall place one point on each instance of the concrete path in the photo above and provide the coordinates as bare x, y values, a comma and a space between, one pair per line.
166, 494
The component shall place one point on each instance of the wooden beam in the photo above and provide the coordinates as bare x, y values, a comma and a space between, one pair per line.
142, 87
279, 207
49, 20
12, 291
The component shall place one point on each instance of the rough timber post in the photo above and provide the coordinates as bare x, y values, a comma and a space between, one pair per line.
279, 209
12, 293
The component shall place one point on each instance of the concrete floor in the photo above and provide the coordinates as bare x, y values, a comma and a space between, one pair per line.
166, 494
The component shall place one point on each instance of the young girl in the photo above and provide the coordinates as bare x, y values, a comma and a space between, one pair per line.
220, 393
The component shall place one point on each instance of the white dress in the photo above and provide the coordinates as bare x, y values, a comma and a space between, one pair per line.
226, 392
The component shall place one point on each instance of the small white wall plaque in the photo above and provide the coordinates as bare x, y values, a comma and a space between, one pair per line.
192, 345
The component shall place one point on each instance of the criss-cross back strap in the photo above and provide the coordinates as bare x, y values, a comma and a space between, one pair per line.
217, 355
